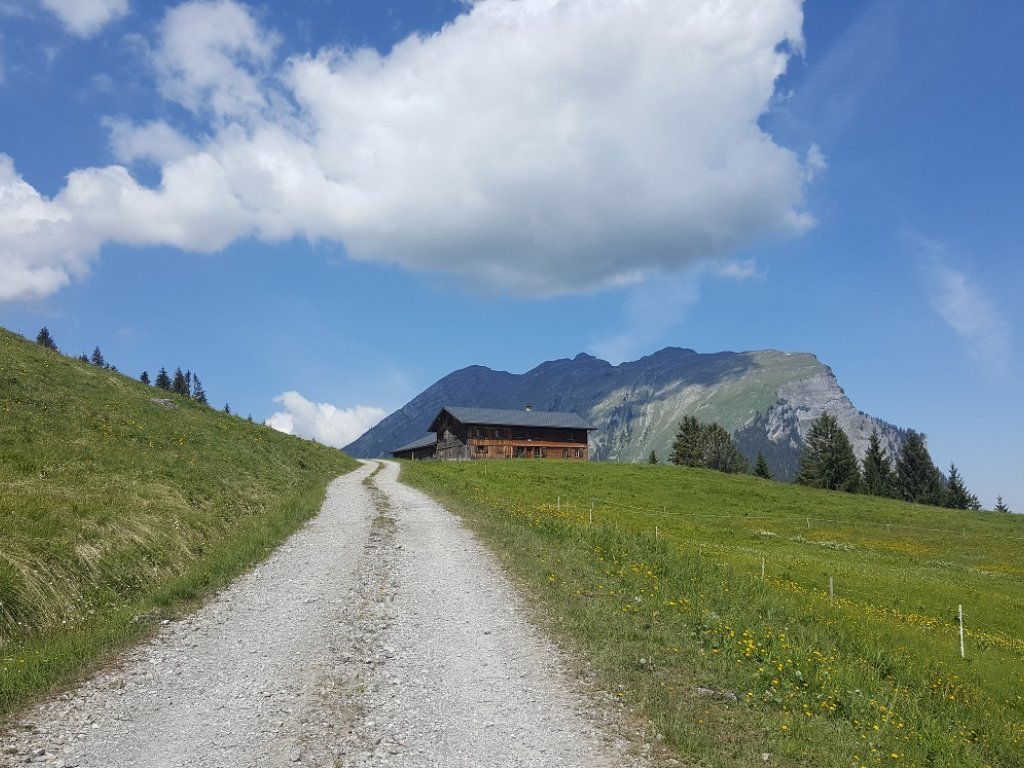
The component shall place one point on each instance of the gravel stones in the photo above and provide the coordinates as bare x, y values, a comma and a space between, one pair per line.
468, 682
381, 634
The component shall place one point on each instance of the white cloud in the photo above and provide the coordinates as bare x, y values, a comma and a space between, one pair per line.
323, 422
973, 315
102, 83
36, 257
738, 270
538, 146
85, 18
815, 162
212, 57
155, 141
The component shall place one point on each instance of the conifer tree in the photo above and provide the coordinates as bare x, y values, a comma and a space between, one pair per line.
957, 495
83, 357
706, 445
198, 393
877, 475
227, 409
687, 450
163, 381
828, 460
44, 339
144, 378
652, 458
761, 468
1001, 505
917, 479
720, 451
97, 358
180, 384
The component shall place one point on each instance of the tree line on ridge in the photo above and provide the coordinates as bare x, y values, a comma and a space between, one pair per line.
184, 383
828, 461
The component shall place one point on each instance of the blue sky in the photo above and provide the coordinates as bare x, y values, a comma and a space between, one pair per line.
323, 207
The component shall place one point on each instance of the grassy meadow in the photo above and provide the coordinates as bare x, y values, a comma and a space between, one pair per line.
116, 512
653, 575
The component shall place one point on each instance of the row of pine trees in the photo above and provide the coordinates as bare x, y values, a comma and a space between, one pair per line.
183, 383
828, 461
186, 384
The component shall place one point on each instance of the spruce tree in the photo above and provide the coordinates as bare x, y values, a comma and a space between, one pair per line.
687, 449
198, 393
761, 468
1001, 505
227, 409
83, 357
144, 378
918, 480
652, 458
706, 445
957, 495
720, 451
163, 381
828, 460
97, 358
180, 384
877, 475
44, 339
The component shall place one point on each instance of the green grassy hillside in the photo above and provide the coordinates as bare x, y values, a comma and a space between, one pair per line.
731, 398
654, 575
735, 402
116, 511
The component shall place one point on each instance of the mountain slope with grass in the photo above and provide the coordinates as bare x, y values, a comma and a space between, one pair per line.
761, 623
117, 510
767, 399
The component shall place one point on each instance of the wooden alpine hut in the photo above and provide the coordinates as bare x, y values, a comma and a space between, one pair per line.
486, 433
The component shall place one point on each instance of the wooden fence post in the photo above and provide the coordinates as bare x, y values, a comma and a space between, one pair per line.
961, 631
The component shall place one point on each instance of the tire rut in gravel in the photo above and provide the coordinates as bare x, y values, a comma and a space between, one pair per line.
463, 678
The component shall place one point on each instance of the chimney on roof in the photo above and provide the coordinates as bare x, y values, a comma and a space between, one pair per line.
529, 407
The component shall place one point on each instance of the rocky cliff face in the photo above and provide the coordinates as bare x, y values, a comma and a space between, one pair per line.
767, 399
779, 432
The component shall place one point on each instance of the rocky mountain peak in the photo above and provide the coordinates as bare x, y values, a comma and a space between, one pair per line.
767, 399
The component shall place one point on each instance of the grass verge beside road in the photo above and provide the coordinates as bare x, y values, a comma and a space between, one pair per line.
653, 575
116, 512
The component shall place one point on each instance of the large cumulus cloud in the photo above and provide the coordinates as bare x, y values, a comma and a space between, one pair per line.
540, 146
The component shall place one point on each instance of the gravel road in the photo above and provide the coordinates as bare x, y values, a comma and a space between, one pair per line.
381, 634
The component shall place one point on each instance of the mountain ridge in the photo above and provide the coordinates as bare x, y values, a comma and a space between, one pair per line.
765, 398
